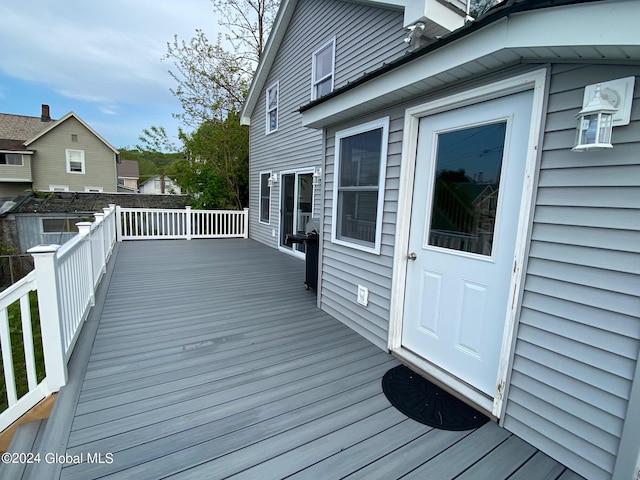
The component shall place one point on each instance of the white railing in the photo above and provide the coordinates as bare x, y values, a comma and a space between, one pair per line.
65, 279
159, 224
19, 292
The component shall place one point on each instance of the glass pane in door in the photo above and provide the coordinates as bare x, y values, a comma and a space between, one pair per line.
304, 205
467, 185
288, 206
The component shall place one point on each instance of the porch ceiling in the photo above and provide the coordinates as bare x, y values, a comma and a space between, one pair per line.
211, 360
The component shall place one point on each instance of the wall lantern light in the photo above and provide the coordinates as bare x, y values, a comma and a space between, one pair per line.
317, 176
605, 105
272, 180
595, 122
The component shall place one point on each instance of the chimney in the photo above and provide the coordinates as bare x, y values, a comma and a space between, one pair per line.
45, 117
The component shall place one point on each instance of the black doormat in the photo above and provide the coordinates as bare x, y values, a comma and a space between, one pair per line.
427, 403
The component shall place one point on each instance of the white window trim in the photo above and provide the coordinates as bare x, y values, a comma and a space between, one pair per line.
365, 127
59, 188
68, 152
313, 67
276, 108
90, 189
268, 173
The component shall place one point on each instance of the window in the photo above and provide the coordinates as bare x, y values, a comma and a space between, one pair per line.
14, 159
75, 161
273, 94
60, 225
59, 188
322, 70
265, 197
358, 191
93, 189
74, 137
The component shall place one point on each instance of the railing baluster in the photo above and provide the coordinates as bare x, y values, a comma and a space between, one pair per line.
7, 359
27, 341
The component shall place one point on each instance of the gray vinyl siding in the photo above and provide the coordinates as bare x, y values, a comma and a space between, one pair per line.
344, 268
578, 336
292, 146
49, 162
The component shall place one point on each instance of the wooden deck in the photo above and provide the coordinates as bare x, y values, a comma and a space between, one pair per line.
211, 360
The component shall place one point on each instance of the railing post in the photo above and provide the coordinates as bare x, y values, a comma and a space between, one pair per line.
84, 229
102, 226
118, 224
246, 222
46, 268
188, 222
108, 234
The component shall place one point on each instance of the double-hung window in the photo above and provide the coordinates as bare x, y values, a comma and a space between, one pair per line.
358, 189
323, 67
273, 94
75, 161
265, 197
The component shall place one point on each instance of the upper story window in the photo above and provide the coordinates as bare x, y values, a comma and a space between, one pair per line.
358, 190
273, 94
265, 197
323, 70
11, 159
75, 161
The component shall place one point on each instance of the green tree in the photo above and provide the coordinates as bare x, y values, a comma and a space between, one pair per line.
212, 82
478, 7
223, 146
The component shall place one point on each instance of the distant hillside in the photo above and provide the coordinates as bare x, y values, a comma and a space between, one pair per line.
150, 163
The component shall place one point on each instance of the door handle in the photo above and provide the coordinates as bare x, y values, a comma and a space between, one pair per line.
412, 256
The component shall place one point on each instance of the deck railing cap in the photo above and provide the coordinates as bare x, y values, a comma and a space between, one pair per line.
43, 249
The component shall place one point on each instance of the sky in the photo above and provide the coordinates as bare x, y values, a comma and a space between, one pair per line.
100, 59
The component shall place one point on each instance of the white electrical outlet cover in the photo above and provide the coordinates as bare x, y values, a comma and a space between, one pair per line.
363, 295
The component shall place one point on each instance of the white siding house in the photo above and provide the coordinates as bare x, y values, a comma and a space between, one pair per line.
159, 185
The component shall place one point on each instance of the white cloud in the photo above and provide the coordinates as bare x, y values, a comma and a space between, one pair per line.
102, 52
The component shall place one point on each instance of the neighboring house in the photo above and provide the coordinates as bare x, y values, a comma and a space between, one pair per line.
37, 153
159, 184
525, 300
128, 176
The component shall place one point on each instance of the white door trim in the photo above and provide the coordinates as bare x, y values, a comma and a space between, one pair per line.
536, 81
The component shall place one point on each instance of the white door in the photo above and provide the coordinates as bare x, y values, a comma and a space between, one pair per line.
468, 183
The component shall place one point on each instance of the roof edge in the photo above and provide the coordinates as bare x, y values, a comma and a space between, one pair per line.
492, 16
61, 121
267, 58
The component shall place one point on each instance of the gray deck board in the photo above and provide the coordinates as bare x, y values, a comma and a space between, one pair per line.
211, 360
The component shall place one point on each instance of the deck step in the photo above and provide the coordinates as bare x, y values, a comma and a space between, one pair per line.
26, 440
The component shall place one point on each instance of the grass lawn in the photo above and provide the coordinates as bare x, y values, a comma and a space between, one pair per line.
19, 364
